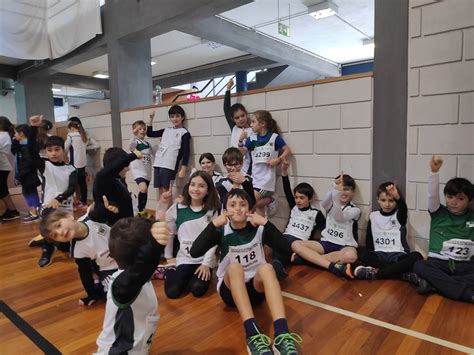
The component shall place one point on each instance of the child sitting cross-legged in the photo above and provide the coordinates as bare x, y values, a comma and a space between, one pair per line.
337, 248
387, 254
244, 277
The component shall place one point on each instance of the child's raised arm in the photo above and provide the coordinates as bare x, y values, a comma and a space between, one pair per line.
433, 183
227, 104
286, 183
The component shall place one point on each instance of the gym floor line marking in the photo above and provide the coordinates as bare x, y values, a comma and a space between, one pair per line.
41, 342
382, 324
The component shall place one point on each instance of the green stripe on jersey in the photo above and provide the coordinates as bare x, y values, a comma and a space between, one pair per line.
235, 239
186, 214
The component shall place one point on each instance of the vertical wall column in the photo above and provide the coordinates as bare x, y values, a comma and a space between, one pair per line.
241, 80
33, 96
130, 79
390, 94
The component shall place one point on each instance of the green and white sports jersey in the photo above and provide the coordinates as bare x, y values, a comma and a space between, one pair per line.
244, 250
451, 236
141, 168
187, 223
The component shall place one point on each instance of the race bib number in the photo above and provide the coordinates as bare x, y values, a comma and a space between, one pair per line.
458, 249
247, 256
337, 231
263, 154
387, 241
301, 226
146, 159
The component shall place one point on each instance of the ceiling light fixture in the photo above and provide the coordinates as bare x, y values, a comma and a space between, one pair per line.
55, 90
153, 62
100, 75
322, 9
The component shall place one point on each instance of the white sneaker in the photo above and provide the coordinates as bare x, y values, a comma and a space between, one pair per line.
272, 207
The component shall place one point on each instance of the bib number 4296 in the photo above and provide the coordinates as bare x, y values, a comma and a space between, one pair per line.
335, 233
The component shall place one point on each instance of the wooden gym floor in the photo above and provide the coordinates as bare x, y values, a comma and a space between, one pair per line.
332, 315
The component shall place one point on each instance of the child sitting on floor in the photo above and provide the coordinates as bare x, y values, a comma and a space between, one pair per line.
244, 277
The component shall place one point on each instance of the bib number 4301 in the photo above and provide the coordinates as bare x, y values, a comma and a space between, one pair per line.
385, 241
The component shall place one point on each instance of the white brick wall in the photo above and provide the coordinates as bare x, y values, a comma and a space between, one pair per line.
328, 127
440, 101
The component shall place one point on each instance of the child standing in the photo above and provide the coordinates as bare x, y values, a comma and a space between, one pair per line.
233, 160
449, 269
387, 252
267, 149
141, 169
244, 278
59, 179
130, 319
174, 149
238, 121
89, 242
6, 159
75, 145
304, 219
337, 248
187, 220
26, 173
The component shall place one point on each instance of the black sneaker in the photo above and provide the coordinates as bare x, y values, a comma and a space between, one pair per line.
410, 277
365, 273
29, 218
342, 270
424, 287
46, 257
10, 215
280, 271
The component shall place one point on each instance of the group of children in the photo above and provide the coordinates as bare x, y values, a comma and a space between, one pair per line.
224, 217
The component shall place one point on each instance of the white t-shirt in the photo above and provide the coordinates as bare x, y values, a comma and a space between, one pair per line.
6, 156
76, 149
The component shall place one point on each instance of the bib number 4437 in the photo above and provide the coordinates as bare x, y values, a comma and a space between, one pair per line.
246, 258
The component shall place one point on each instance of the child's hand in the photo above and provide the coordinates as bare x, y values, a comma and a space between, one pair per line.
203, 272
285, 164
161, 233
52, 204
256, 219
182, 172
151, 116
230, 84
221, 220
393, 191
273, 162
133, 145
108, 206
236, 177
138, 154
179, 199
436, 163
243, 136
35, 120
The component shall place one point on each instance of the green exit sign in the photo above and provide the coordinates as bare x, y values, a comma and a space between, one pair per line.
283, 29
